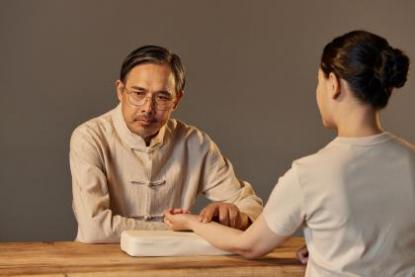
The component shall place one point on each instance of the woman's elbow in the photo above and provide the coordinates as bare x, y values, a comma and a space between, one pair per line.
252, 253
249, 251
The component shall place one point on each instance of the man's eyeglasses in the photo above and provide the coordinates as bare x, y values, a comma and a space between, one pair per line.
163, 100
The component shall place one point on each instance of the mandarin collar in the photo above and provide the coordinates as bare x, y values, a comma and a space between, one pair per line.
133, 140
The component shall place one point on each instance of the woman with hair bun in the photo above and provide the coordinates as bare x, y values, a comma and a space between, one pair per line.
355, 198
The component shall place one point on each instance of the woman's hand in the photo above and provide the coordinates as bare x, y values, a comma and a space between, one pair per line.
302, 254
178, 221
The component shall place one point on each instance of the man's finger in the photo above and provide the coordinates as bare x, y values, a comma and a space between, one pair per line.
224, 215
202, 214
208, 213
185, 211
167, 211
233, 218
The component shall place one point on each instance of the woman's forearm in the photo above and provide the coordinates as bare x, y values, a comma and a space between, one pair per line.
255, 241
222, 237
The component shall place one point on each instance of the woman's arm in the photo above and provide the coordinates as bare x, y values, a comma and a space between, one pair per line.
256, 241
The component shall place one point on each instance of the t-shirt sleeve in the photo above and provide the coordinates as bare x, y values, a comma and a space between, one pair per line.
284, 212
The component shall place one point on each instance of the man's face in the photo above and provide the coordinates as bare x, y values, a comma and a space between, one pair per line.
154, 81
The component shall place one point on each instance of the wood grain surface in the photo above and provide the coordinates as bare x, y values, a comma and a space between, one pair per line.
78, 259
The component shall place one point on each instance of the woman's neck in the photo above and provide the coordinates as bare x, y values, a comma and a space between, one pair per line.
359, 123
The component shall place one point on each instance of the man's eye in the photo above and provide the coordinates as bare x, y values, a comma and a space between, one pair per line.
163, 97
139, 93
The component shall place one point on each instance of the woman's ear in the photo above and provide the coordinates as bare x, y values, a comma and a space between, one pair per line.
334, 87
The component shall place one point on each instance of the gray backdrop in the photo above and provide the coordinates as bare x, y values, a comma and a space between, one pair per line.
251, 69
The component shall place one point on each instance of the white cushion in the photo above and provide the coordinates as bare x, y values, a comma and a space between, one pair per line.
166, 243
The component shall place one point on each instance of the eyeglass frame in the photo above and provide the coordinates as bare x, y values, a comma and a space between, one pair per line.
152, 98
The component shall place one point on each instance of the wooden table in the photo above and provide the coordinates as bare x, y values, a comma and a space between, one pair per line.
77, 259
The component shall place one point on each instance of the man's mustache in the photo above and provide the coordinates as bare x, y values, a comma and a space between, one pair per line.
145, 118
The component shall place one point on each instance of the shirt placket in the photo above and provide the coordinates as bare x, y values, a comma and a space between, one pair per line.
149, 163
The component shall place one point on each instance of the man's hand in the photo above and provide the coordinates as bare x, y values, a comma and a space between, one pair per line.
302, 254
178, 221
226, 214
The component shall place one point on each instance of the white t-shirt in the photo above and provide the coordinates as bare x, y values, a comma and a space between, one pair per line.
355, 199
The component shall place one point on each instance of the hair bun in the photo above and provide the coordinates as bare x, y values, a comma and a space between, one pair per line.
367, 62
395, 68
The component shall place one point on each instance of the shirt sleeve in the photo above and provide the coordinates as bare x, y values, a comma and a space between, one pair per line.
91, 198
221, 184
284, 212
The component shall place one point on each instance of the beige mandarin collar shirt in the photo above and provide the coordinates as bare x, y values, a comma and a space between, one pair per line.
120, 184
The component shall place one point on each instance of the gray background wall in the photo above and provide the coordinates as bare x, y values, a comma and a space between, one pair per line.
251, 68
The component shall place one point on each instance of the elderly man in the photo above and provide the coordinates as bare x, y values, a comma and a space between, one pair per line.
131, 164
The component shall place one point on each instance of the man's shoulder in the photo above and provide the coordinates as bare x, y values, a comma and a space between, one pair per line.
95, 127
190, 133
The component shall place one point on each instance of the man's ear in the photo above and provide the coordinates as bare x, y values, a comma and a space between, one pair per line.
119, 86
179, 96
334, 87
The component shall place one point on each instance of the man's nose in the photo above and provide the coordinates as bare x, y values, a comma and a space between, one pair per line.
149, 105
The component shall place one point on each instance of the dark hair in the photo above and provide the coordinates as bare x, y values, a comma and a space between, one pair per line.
157, 55
367, 62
